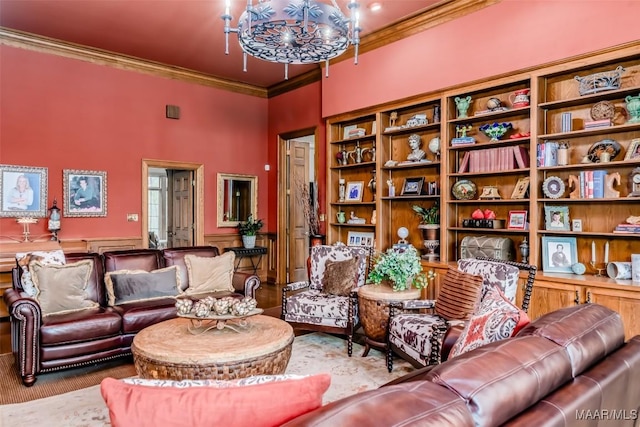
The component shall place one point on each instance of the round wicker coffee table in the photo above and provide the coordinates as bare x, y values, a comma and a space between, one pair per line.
167, 350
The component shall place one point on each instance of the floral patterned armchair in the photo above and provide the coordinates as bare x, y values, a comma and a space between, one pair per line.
306, 305
425, 339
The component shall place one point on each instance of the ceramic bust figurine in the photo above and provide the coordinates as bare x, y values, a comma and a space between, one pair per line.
416, 154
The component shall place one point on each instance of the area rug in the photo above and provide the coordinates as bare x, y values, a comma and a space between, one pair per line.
312, 353
50, 384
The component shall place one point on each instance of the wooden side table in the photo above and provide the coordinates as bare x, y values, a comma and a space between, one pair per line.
242, 253
373, 309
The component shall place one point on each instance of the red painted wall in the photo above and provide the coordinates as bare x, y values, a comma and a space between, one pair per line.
62, 113
507, 36
290, 112
67, 114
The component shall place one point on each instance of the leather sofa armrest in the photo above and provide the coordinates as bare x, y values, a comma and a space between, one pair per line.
26, 319
246, 283
450, 338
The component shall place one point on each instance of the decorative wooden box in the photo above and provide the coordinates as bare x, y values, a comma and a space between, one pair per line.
484, 246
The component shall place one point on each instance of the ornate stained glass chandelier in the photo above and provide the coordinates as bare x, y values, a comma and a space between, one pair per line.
294, 32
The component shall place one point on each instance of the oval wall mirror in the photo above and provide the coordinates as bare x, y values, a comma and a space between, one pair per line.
237, 198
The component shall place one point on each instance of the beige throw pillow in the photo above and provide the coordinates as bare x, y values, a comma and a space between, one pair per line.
139, 285
62, 288
340, 276
45, 257
210, 274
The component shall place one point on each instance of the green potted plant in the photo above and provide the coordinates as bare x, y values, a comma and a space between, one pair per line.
248, 230
399, 266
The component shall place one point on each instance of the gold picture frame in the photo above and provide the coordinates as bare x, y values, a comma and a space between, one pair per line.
521, 188
633, 152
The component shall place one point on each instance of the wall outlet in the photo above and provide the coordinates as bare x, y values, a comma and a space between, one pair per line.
132, 217
321, 217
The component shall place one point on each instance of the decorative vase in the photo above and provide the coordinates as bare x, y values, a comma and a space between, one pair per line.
633, 107
249, 242
340, 216
430, 240
519, 98
462, 105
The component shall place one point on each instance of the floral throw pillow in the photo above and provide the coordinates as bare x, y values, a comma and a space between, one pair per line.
495, 319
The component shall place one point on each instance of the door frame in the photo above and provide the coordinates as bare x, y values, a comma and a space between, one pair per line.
198, 196
283, 238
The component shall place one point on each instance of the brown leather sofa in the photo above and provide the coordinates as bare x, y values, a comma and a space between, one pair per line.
570, 367
44, 344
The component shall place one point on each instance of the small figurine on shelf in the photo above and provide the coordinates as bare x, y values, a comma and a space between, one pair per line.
341, 190
392, 188
372, 185
417, 154
461, 135
392, 118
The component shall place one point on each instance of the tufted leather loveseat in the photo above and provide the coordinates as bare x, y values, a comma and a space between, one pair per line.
60, 341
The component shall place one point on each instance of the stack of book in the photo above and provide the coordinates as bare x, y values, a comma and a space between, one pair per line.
605, 123
627, 228
494, 159
592, 184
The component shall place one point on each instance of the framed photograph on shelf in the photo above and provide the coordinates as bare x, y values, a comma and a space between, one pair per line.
517, 220
576, 224
521, 188
633, 152
360, 238
353, 191
85, 193
556, 218
558, 254
23, 191
412, 186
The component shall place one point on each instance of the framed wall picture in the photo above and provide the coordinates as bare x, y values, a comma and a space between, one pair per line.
517, 220
353, 191
360, 238
85, 193
633, 152
521, 188
23, 191
559, 254
412, 186
556, 218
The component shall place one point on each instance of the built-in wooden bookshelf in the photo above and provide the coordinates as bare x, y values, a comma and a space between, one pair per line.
553, 92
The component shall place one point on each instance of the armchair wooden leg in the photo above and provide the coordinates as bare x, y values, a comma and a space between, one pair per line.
349, 345
389, 358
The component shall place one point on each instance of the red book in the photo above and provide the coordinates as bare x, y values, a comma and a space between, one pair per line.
522, 156
464, 164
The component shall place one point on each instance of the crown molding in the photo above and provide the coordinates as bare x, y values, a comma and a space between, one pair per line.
439, 13
42, 44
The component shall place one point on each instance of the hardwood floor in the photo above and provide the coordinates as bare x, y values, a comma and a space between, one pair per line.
269, 297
